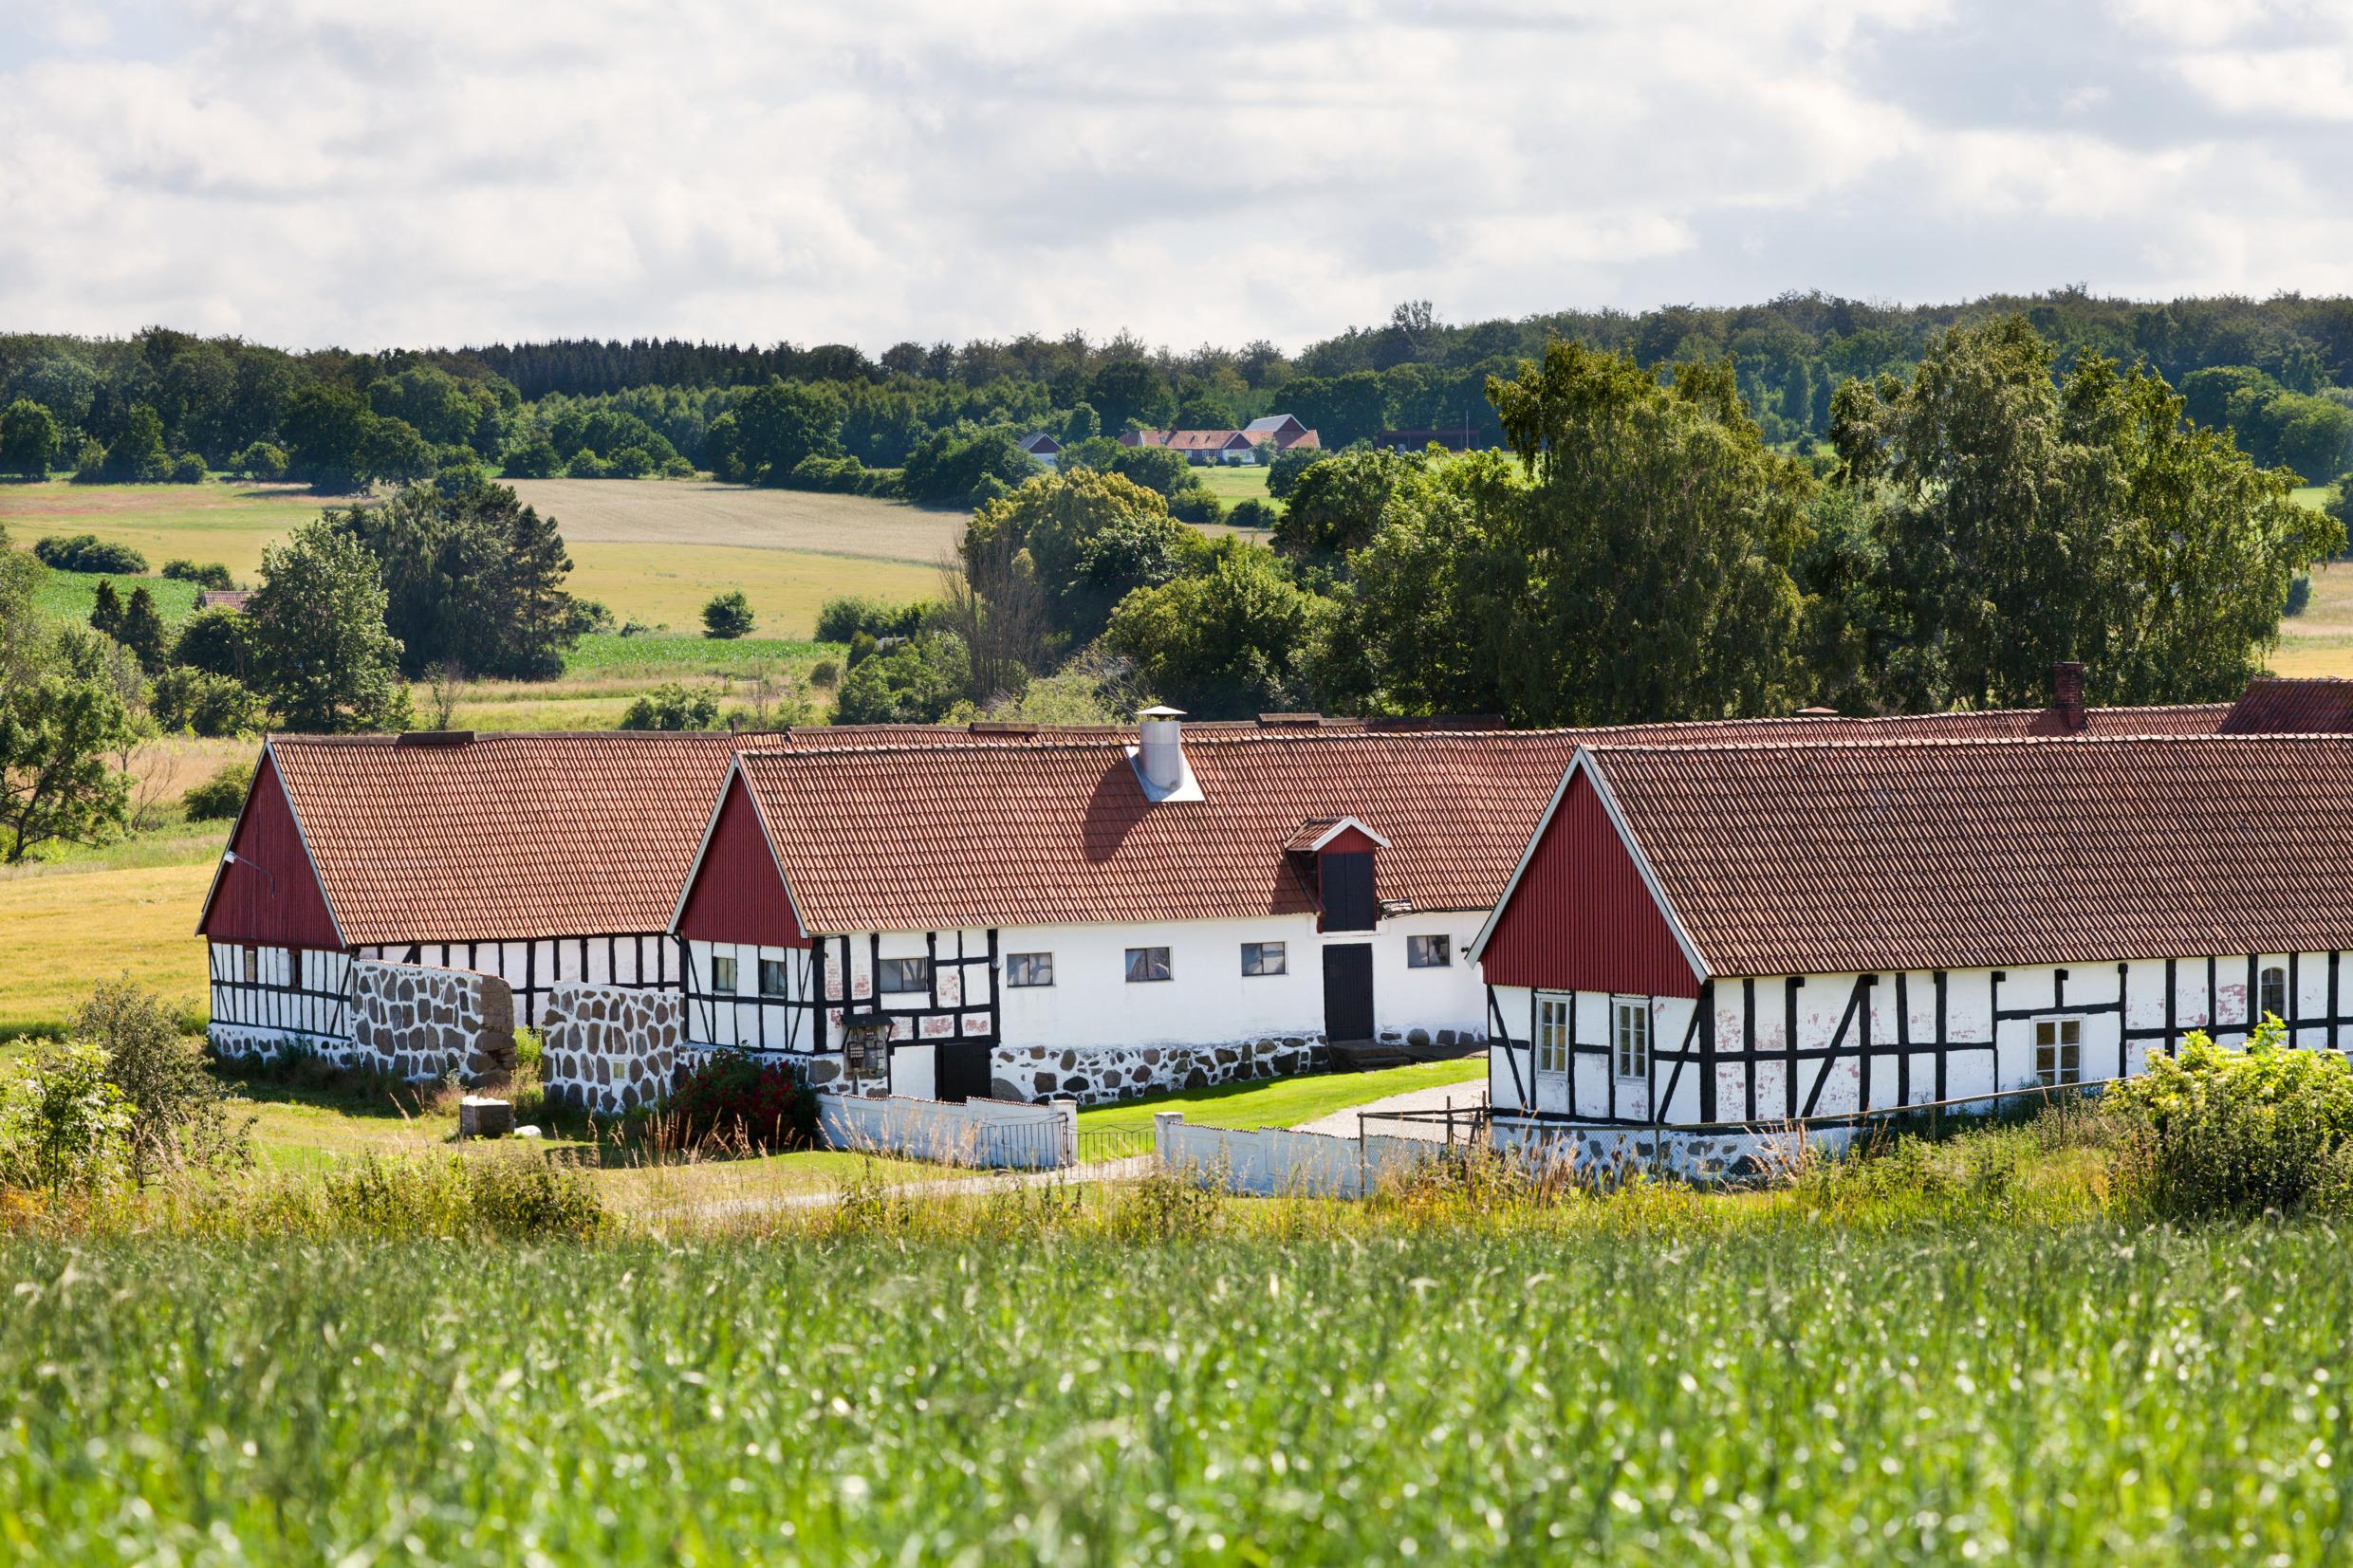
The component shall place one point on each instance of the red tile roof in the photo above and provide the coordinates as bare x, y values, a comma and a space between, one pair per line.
2277, 707
1056, 830
1814, 859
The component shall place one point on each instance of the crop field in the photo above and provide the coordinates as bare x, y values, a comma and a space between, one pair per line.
653, 551
130, 909
1640, 1392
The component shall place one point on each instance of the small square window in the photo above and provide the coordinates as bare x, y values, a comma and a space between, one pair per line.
722, 976
2058, 1051
773, 977
1146, 964
901, 976
1428, 952
1028, 969
1264, 958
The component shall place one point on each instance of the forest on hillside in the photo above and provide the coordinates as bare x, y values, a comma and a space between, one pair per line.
938, 422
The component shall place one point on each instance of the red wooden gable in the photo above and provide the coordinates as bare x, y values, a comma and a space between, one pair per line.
1349, 841
737, 894
1581, 918
269, 895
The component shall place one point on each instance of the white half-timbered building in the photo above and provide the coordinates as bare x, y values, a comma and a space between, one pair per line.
1095, 915
1766, 932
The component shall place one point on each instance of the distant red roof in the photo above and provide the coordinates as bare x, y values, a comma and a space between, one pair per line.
1188, 440
224, 598
2276, 707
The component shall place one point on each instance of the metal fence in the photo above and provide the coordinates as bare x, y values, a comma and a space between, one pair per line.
1113, 1143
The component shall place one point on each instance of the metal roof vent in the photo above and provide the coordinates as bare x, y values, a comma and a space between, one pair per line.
1160, 755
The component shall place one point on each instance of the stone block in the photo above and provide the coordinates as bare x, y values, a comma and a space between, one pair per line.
481, 1116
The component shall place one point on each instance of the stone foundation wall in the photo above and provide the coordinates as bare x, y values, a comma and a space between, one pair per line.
1095, 1075
249, 1042
417, 1022
609, 1048
1607, 1155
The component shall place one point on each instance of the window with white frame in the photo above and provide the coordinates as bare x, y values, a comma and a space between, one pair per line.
1145, 963
2058, 1051
252, 965
1028, 969
2274, 990
1629, 1033
773, 977
722, 975
1428, 952
901, 976
1553, 1041
1262, 958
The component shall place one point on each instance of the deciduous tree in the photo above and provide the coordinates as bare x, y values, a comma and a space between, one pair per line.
321, 653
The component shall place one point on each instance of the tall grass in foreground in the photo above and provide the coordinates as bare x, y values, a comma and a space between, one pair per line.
1790, 1392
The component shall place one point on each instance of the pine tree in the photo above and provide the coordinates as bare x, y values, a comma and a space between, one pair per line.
106, 613
140, 629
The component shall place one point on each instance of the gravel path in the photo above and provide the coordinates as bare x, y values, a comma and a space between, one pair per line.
1343, 1123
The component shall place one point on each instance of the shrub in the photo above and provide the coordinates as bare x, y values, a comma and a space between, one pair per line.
672, 707
727, 615
218, 641
221, 796
2299, 594
1253, 513
731, 1098
186, 469
260, 460
586, 465
179, 1116
824, 675
842, 619
89, 463
1195, 504
533, 460
84, 552
64, 1125
202, 703
2225, 1133
1283, 473
211, 574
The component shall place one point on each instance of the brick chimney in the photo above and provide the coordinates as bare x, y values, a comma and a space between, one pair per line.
2067, 695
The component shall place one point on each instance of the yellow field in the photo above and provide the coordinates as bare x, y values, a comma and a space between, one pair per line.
650, 550
67, 926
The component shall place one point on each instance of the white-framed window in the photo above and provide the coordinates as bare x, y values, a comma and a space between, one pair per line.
722, 975
1028, 969
1553, 1041
1264, 958
1629, 1035
1145, 963
2274, 987
252, 966
899, 976
2058, 1051
1428, 953
773, 977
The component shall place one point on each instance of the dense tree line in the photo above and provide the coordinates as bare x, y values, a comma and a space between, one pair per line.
930, 420
1641, 551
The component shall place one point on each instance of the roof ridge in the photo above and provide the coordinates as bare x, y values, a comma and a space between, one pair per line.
1893, 743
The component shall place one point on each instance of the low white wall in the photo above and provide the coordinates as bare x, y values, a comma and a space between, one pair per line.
1607, 1155
1277, 1162
992, 1133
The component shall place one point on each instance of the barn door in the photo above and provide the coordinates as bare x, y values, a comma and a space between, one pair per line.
961, 1072
1347, 993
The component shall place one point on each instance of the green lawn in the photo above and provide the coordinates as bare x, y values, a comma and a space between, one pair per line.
68, 595
1237, 483
1280, 1102
608, 654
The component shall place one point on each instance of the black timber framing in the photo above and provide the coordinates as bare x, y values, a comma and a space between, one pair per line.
822, 985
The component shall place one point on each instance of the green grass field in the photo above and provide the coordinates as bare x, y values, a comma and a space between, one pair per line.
1236, 482
1284, 1102
1631, 1393
653, 551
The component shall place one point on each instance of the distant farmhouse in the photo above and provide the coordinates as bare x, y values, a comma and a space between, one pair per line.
1233, 446
1421, 440
1042, 447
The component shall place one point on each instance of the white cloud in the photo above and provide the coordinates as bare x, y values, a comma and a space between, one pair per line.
444, 172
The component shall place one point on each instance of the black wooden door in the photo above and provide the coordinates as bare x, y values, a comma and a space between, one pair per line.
1348, 992
960, 1072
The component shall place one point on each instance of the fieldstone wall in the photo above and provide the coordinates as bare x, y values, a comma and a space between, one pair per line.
251, 1043
609, 1048
1607, 1155
418, 1023
1093, 1075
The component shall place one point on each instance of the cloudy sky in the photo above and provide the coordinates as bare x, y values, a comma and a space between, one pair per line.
456, 171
